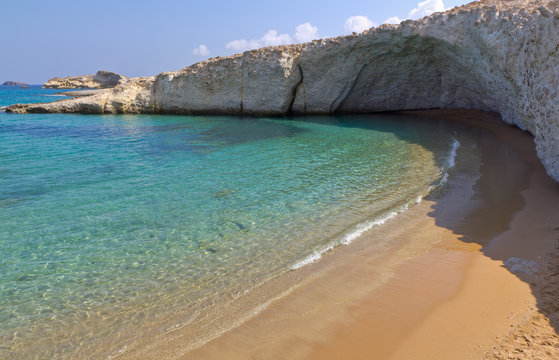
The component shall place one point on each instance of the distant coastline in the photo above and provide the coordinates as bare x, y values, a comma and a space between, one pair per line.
14, 83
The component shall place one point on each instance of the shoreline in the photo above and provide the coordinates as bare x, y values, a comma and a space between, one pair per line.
81, 92
451, 298
194, 326
435, 286
384, 257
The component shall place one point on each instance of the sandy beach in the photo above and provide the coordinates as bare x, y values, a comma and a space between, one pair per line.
262, 188
469, 272
451, 297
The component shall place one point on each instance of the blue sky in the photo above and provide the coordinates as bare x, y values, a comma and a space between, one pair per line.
42, 39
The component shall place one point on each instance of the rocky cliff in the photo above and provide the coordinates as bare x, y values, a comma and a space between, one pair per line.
100, 80
493, 55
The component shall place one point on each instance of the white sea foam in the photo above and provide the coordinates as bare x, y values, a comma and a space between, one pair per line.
347, 239
453, 151
360, 229
450, 163
316, 255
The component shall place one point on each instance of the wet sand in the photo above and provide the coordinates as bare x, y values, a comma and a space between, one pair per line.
444, 292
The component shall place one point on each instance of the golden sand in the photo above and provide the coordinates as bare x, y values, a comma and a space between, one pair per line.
452, 297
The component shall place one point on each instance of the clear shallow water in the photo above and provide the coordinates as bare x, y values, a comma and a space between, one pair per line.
33, 94
109, 223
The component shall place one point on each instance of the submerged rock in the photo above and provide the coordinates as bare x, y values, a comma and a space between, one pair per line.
491, 55
223, 193
519, 265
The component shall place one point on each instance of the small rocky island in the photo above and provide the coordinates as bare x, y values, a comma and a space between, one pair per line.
100, 80
14, 83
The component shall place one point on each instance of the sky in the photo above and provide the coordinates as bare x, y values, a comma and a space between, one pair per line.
42, 39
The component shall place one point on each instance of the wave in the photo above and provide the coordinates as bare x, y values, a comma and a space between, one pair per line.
316, 255
450, 163
360, 229
452, 157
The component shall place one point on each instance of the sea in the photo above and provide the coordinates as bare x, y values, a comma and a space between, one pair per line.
114, 227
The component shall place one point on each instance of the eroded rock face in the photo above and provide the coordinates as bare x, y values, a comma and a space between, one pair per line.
101, 80
493, 55
256, 82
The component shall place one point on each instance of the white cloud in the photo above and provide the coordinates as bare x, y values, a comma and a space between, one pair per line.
358, 24
201, 50
303, 33
306, 32
271, 38
242, 45
426, 8
393, 20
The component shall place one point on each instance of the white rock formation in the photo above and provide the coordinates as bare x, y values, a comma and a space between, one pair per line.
100, 80
493, 55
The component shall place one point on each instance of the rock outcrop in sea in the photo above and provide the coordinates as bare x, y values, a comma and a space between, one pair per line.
100, 80
14, 83
492, 55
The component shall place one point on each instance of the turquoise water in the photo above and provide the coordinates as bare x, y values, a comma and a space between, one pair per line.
33, 94
112, 223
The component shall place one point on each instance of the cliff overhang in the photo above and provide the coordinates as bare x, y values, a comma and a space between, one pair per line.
492, 55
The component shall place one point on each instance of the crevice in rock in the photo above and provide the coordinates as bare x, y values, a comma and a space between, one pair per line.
552, 53
104, 104
242, 83
154, 86
339, 100
295, 90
